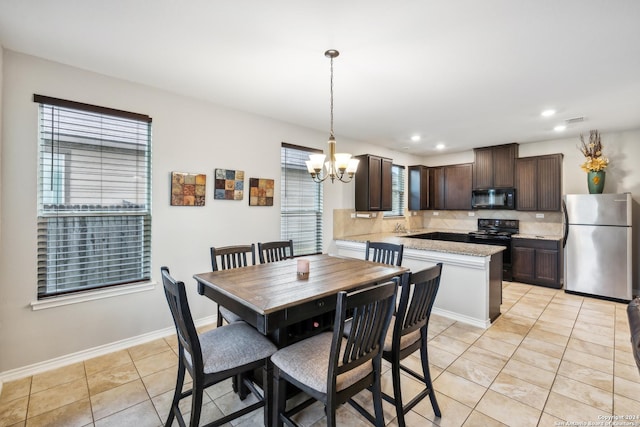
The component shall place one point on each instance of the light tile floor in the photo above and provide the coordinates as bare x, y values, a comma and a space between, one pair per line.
550, 359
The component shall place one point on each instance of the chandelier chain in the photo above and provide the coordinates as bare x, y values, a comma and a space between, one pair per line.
331, 91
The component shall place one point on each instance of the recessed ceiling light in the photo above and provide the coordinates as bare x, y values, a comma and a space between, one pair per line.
440, 146
560, 128
548, 113
415, 138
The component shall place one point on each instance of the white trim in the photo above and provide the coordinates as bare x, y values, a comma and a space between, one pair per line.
90, 353
92, 295
461, 318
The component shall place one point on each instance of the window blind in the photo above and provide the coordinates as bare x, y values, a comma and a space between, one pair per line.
94, 198
301, 201
397, 191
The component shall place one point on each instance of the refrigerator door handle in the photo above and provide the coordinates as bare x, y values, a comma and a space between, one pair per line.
566, 224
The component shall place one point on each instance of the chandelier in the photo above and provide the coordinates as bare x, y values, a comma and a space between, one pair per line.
340, 166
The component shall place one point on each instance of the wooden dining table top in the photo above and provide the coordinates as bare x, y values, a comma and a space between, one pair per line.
273, 287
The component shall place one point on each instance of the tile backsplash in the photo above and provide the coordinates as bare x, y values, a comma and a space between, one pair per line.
345, 225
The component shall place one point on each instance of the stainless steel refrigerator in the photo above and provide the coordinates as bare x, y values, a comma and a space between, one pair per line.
598, 245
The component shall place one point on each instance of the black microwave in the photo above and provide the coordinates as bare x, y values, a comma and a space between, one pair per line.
494, 198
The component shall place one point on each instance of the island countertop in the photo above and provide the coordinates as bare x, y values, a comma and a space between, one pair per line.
471, 249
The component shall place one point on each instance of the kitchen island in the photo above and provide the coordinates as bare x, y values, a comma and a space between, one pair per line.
471, 284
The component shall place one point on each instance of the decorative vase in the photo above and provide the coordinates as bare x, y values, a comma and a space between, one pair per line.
595, 181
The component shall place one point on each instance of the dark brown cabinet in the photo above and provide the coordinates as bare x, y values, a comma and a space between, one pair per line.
494, 167
539, 183
373, 183
418, 188
458, 182
441, 187
537, 262
436, 188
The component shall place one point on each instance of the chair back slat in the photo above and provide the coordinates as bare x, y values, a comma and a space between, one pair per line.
385, 253
185, 328
418, 294
371, 309
275, 251
227, 257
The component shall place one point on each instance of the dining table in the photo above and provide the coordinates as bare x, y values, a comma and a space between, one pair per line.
286, 305
272, 297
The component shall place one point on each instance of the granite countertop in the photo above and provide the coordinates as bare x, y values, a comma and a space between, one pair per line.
471, 249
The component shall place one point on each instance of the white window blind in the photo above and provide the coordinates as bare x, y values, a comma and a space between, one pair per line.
301, 201
94, 198
397, 191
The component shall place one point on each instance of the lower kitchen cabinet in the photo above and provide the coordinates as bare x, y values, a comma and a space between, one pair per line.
537, 261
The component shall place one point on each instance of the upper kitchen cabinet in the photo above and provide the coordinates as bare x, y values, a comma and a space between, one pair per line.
426, 188
539, 183
458, 180
373, 183
494, 166
418, 188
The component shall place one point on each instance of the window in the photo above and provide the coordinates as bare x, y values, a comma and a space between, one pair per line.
397, 191
300, 200
94, 199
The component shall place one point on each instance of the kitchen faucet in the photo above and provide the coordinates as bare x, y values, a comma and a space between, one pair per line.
399, 228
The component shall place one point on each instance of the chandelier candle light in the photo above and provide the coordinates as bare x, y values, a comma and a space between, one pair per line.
339, 164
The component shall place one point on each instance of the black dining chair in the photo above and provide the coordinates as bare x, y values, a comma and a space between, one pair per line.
275, 251
385, 253
331, 368
409, 333
224, 258
214, 356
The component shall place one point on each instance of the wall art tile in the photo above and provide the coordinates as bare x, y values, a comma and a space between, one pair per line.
229, 184
261, 192
188, 189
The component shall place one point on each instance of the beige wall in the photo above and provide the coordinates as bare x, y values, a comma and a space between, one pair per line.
189, 136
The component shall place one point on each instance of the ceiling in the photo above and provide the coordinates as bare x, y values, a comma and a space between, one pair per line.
466, 73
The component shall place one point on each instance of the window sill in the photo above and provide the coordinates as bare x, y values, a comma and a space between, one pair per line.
92, 295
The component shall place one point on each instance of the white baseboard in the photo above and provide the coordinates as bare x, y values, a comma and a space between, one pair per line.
484, 324
58, 362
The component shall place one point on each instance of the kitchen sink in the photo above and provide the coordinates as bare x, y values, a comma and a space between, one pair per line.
439, 235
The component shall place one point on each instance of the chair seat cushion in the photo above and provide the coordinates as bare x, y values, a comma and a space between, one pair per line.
233, 345
405, 341
308, 361
229, 315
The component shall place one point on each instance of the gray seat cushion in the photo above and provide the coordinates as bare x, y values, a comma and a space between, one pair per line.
633, 314
229, 315
232, 345
405, 341
308, 361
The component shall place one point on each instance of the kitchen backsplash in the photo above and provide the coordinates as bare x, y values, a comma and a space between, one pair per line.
345, 225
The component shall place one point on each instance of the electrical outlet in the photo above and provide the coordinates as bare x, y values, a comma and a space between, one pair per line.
373, 215
353, 215
414, 213
539, 215
436, 213
472, 213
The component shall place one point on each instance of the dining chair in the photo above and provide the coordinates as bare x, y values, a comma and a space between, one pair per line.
275, 251
409, 333
385, 253
331, 368
227, 257
214, 356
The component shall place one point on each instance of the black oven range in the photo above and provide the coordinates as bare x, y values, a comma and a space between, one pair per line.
497, 232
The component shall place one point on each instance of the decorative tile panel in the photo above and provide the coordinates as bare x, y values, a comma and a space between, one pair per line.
261, 192
229, 184
188, 189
